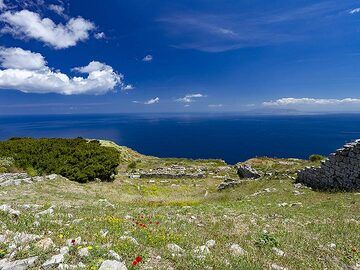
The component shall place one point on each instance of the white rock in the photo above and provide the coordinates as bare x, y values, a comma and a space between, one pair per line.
106, 202
84, 252
49, 211
236, 250
45, 244
7, 209
22, 238
112, 265
36, 223
114, 255
174, 248
332, 245
283, 204
81, 265
202, 252
210, 243
104, 232
278, 267
64, 250
17, 265
51, 176
278, 251
129, 238
54, 261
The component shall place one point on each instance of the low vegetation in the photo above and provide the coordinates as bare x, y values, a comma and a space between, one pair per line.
77, 159
262, 224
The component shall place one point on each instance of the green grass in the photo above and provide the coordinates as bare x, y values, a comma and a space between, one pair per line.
191, 213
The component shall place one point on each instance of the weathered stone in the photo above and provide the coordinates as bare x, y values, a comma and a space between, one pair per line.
236, 250
17, 265
340, 171
246, 171
112, 265
45, 244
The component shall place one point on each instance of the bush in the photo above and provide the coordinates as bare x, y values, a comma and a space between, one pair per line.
132, 165
316, 158
76, 159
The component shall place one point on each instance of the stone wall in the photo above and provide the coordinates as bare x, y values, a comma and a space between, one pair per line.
341, 170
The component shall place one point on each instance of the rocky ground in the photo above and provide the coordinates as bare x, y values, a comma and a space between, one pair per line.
181, 223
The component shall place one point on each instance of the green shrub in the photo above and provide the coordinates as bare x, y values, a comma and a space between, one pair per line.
266, 239
316, 158
76, 159
132, 165
31, 171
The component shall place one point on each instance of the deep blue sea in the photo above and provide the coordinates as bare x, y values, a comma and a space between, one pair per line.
230, 137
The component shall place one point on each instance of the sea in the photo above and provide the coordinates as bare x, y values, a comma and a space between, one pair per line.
231, 137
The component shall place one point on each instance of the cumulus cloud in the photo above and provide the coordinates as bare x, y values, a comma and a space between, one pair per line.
99, 35
190, 98
152, 101
28, 72
2, 4
148, 58
310, 101
26, 24
17, 58
355, 10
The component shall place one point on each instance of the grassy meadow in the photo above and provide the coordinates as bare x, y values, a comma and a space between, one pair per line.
140, 217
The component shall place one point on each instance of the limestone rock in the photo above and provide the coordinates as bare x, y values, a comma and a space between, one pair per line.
278, 251
17, 265
112, 265
236, 250
7, 209
246, 171
45, 244
174, 248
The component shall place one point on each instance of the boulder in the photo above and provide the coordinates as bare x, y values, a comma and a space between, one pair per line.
246, 171
112, 265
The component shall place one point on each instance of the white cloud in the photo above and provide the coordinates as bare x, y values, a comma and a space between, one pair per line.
355, 10
152, 101
99, 35
215, 105
17, 58
310, 101
58, 9
28, 72
190, 98
148, 58
2, 4
27, 24
128, 87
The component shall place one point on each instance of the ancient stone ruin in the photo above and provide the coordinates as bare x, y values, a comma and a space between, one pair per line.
341, 170
171, 172
245, 173
15, 179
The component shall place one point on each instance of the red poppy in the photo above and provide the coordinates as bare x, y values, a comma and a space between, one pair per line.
138, 259
135, 263
157, 222
73, 241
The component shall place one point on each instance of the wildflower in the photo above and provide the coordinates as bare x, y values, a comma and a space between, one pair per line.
136, 261
90, 247
61, 236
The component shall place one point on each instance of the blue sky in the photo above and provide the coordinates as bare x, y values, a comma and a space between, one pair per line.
178, 56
